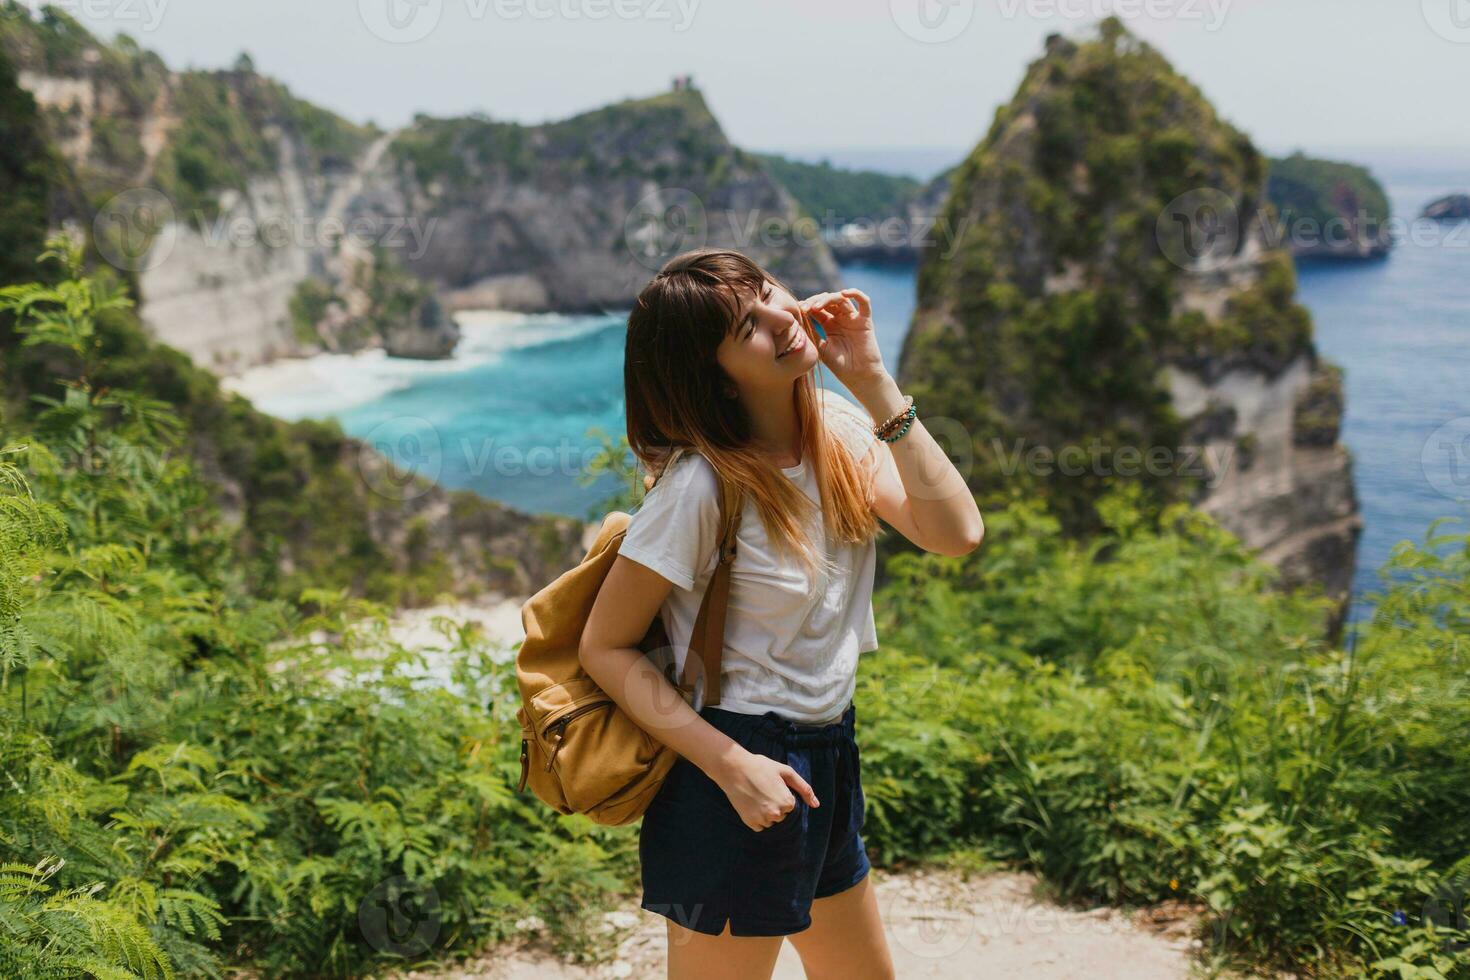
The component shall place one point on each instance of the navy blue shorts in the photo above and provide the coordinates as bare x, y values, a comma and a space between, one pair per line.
702, 865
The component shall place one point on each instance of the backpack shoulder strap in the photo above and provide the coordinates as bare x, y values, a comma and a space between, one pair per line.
707, 642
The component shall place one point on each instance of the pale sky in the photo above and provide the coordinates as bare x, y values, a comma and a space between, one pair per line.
816, 74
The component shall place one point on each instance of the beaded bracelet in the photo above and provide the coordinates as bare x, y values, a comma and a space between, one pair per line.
888, 423
908, 417
905, 418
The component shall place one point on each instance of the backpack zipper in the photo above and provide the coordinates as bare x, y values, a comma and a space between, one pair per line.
560, 726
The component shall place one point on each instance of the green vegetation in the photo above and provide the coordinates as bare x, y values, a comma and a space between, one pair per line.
1261, 325
1140, 718
200, 773
1312, 194
308, 305
221, 141
1054, 295
215, 147
845, 195
26, 172
395, 296
299, 508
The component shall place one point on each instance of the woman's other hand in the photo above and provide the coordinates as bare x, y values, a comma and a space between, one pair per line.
763, 790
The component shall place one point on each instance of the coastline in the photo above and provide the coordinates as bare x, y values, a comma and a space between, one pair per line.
328, 383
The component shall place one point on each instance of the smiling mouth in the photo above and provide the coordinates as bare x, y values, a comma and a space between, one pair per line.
796, 344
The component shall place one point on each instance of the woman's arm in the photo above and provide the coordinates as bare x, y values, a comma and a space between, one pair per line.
918, 492
759, 787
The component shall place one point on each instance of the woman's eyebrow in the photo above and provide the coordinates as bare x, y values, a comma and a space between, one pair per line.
750, 310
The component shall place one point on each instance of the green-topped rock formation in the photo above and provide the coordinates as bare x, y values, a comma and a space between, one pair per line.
1103, 312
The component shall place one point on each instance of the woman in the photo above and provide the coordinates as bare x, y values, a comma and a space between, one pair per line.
754, 834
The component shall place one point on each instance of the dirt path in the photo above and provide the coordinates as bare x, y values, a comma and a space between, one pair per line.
940, 925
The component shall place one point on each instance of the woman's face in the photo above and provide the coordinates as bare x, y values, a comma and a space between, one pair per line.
758, 354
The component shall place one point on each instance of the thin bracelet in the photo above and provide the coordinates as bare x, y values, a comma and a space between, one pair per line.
888, 427
887, 424
909, 417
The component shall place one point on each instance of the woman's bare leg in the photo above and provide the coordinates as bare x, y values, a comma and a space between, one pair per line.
845, 940
696, 956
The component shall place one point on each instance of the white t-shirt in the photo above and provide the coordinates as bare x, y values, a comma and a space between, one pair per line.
791, 642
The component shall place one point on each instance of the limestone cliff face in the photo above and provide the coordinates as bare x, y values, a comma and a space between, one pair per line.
577, 215
260, 226
1099, 291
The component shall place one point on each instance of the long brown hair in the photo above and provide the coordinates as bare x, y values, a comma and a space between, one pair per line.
675, 392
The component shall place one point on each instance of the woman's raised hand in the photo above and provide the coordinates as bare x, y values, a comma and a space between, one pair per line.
851, 348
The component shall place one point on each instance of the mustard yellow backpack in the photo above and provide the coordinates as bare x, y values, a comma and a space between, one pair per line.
580, 751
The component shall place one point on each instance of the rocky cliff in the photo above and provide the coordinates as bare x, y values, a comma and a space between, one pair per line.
258, 225
1102, 313
577, 215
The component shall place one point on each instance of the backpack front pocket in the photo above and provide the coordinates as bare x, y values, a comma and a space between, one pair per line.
583, 745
